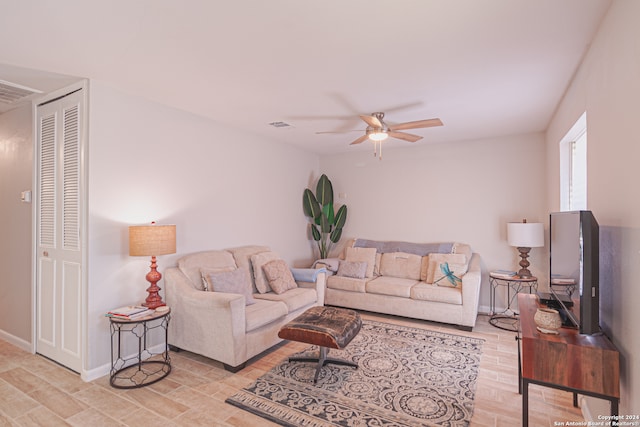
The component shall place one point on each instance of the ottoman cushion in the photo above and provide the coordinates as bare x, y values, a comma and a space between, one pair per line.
323, 326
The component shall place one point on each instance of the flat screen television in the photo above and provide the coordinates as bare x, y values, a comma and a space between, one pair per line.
574, 264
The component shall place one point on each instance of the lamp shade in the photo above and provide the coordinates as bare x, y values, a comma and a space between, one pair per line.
525, 234
152, 240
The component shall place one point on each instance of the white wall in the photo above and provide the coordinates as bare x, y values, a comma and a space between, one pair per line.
607, 86
221, 187
458, 191
16, 174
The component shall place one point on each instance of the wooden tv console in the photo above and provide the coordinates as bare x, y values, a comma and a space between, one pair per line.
585, 364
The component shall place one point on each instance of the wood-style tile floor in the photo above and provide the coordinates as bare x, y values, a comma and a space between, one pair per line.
37, 392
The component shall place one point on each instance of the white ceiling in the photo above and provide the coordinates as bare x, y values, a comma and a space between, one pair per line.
485, 67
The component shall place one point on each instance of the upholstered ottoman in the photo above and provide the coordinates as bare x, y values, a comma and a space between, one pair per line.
326, 327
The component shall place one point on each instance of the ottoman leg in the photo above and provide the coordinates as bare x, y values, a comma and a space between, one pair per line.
322, 360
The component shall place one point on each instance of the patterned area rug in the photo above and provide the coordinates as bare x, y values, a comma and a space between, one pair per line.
405, 377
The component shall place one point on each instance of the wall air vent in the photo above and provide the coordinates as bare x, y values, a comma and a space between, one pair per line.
11, 93
280, 125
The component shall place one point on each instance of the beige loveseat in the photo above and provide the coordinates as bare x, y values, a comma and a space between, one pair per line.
233, 326
407, 279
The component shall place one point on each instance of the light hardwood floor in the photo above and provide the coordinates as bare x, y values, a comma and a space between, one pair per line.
36, 392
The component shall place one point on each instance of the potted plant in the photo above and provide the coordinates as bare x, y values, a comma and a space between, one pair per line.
326, 224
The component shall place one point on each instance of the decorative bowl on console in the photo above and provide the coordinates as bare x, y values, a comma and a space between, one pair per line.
548, 320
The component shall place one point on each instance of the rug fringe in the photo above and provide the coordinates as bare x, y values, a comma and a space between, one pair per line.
275, 412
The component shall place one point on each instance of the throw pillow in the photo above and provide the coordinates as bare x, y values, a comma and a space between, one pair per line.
435, 259
257, 261
367, 255
376, 268
400, 264
356, 269
424, 268
205, 272
234, 282
446, 274
279, 276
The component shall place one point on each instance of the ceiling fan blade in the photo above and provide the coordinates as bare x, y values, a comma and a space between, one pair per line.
340, 131
405, 136
371, 121
417, 124
359, 140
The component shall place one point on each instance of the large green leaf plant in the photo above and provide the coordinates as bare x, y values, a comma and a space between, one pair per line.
326, 225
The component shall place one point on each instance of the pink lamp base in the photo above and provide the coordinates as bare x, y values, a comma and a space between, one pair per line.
154, 300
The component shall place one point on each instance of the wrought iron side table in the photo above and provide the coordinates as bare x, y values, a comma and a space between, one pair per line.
508, 319
138, 366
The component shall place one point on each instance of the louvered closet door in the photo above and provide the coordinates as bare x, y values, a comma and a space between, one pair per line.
59, 255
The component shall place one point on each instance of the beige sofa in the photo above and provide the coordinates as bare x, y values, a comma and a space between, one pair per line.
221, 325
407, 279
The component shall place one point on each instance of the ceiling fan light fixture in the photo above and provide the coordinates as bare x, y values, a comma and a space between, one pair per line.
378, 135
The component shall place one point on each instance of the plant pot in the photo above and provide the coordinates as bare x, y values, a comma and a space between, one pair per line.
548, 320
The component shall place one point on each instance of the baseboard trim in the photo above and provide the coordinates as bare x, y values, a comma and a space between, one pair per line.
101, 371
95, 373
18, 342
484, 309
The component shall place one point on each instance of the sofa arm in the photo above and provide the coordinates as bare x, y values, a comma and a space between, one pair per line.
311, 278
331, 265
207, 323
471, 282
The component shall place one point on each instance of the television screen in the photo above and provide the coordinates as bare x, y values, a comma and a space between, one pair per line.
574, 266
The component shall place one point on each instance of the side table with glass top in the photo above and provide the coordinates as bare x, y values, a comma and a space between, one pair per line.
508, 318
140, 350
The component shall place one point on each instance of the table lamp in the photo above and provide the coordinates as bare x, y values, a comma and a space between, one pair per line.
152, 240
524, 236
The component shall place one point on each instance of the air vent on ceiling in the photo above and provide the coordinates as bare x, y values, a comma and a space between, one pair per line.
280, 124
11, 92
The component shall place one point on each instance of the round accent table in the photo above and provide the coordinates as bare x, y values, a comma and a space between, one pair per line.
508, 319
139, 350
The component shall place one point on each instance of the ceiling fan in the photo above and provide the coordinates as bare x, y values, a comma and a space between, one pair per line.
377, 130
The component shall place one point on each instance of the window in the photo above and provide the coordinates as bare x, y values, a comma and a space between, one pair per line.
573, 167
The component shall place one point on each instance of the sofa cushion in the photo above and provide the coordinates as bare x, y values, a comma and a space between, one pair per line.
346, 284
424, 268
401, 264
464, 249
294, 299
355, 269
376, 269
279, 276
388, 285
263, 312
367, 255
348, 243
426, 292
441, 279
190, 265
436, 259
206, 271
233, 282
257, 262
242, 256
